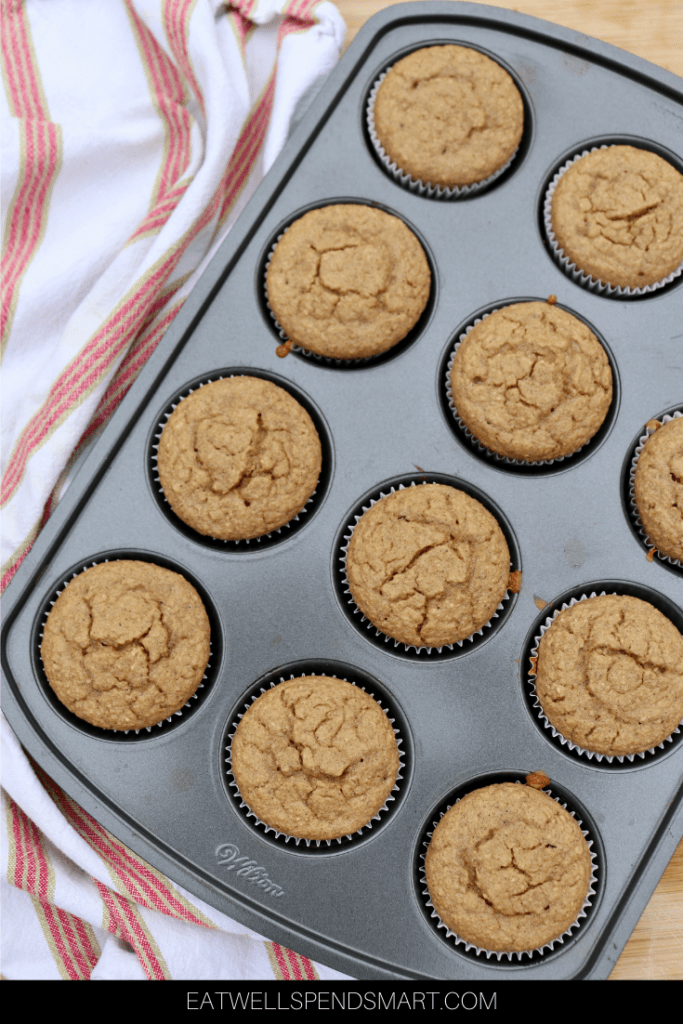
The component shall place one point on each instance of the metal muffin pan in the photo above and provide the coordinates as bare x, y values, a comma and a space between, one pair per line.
278, 606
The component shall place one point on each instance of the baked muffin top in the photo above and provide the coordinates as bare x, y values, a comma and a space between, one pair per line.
448, 115
348, 281
428, 565
609, 675
658, 487
126, 644
238, 458
617, 213
531, 382
508, 868
315, 757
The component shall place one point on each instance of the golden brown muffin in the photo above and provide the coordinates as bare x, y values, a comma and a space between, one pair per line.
531, 382
617, 213
508, 869
238, 458
448, 115
428, 565
347, 281
658, 487
609, 675
126, 644
315, 757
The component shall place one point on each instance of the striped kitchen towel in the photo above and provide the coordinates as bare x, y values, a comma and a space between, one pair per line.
133, 134
77, 904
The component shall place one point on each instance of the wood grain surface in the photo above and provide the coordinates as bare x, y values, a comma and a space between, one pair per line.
652, 29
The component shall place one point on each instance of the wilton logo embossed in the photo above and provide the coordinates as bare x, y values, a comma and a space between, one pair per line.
228, 853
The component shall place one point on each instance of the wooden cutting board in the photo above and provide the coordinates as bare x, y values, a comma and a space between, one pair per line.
652, 29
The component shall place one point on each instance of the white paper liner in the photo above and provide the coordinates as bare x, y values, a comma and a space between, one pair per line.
589, 754
404, 179
593, 284
122, 732
297, 348
298, 839
503, 459
633, 508
160, 490
548, 946
348, 533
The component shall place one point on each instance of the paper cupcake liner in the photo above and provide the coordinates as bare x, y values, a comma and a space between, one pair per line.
229, 544
416, 185
548, 947
633, 508
298, 840
593, 284
503, 460
297, 348
425, 649
556, 734
190, 703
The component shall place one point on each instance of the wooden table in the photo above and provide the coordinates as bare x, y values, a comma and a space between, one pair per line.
652, 29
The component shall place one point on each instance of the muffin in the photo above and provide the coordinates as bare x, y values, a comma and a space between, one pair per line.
126, 644
508, 869
448, 115
609, 675
315, 757
617, 214
531, 382
428, 565
658, 488
347, 281
238, 458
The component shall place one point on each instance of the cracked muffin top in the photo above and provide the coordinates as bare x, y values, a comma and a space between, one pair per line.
347, 281
508, 868
126, 644
315, 757
617, 213
658, 487
448, 115
609, 675
531, 382
428, 565
238, 458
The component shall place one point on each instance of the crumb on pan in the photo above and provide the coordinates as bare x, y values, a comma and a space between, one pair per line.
538, 780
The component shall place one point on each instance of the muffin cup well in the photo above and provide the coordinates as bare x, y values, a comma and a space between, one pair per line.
363, 624
266, 539
329, 361
503, 461
577, 275
575, 748
505, 957
416, 185
633, 507
356, 678
297, 348
196, 699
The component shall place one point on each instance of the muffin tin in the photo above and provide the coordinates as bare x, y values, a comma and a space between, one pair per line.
278, 606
